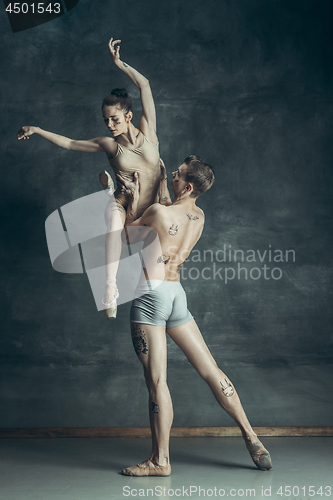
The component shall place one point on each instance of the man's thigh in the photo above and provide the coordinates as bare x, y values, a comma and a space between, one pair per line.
149, 342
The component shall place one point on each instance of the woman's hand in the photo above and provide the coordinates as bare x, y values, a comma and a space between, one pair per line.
114, 51
24, 132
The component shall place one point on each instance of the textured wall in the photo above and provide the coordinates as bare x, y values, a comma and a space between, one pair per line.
248, 87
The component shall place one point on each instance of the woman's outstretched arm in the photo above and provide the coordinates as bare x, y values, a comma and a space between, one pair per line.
148, 117
96, 145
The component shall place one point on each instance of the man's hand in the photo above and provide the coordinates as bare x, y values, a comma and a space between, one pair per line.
130, 188
114, 51
24, 132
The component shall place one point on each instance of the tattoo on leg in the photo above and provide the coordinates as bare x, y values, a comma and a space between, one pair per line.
139, 340
192, 217
154, 407
165, 198
120, 208
227, 388
163, 258
173, 230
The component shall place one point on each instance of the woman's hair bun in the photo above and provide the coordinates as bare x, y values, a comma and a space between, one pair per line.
119, 93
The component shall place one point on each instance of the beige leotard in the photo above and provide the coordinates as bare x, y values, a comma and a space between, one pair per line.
146, 161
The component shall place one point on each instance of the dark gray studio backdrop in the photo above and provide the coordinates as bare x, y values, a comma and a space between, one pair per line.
246, 85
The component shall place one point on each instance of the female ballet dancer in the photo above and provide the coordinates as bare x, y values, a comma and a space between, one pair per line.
129, 150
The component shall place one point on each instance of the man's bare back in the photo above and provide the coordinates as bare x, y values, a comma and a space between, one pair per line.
178, 226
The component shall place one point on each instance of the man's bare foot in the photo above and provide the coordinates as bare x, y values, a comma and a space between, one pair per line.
259, 454
147, 468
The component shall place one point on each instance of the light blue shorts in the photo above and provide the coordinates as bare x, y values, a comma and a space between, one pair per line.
161, 303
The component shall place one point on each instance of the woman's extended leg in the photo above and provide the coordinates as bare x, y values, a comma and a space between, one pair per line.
188, 337
150, 346
115, 216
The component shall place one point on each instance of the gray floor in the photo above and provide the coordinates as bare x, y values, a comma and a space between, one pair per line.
88, 469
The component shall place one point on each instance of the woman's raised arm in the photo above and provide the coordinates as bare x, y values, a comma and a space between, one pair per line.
148, 117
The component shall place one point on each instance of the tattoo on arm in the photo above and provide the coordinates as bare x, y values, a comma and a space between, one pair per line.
139, 339
173, 230
192, 217
227, 388
125, 65
154, 407
163, 258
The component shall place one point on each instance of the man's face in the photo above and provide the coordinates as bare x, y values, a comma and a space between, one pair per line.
178, 182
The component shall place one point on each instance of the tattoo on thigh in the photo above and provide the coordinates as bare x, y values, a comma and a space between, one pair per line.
154, 407
118, 208
139, 340
163, 258
227, 388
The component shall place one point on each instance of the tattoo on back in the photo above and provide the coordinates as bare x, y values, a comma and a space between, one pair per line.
227, 388
173, 230
154, 407
179, 266
192, 217
163, 258
139, 339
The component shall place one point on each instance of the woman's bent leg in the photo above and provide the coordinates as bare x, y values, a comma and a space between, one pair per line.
150, 346
191, 342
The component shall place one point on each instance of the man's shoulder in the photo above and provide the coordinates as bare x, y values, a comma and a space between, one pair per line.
155, 209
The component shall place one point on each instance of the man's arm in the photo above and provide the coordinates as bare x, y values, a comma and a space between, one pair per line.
163, 191
90, 146
148, 117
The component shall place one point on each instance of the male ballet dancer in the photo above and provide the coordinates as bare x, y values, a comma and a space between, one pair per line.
163, 308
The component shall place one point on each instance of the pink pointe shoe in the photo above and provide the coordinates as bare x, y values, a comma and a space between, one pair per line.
107, 182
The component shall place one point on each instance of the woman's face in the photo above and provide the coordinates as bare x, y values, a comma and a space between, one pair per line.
115, 120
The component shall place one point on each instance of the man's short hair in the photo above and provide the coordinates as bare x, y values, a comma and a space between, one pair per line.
200, 174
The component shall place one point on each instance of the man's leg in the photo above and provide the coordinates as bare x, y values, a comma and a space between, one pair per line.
150, 346
191, 342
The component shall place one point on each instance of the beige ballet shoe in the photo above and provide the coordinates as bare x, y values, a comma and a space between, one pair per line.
259, 455
147, 468
111, 307
107, 182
